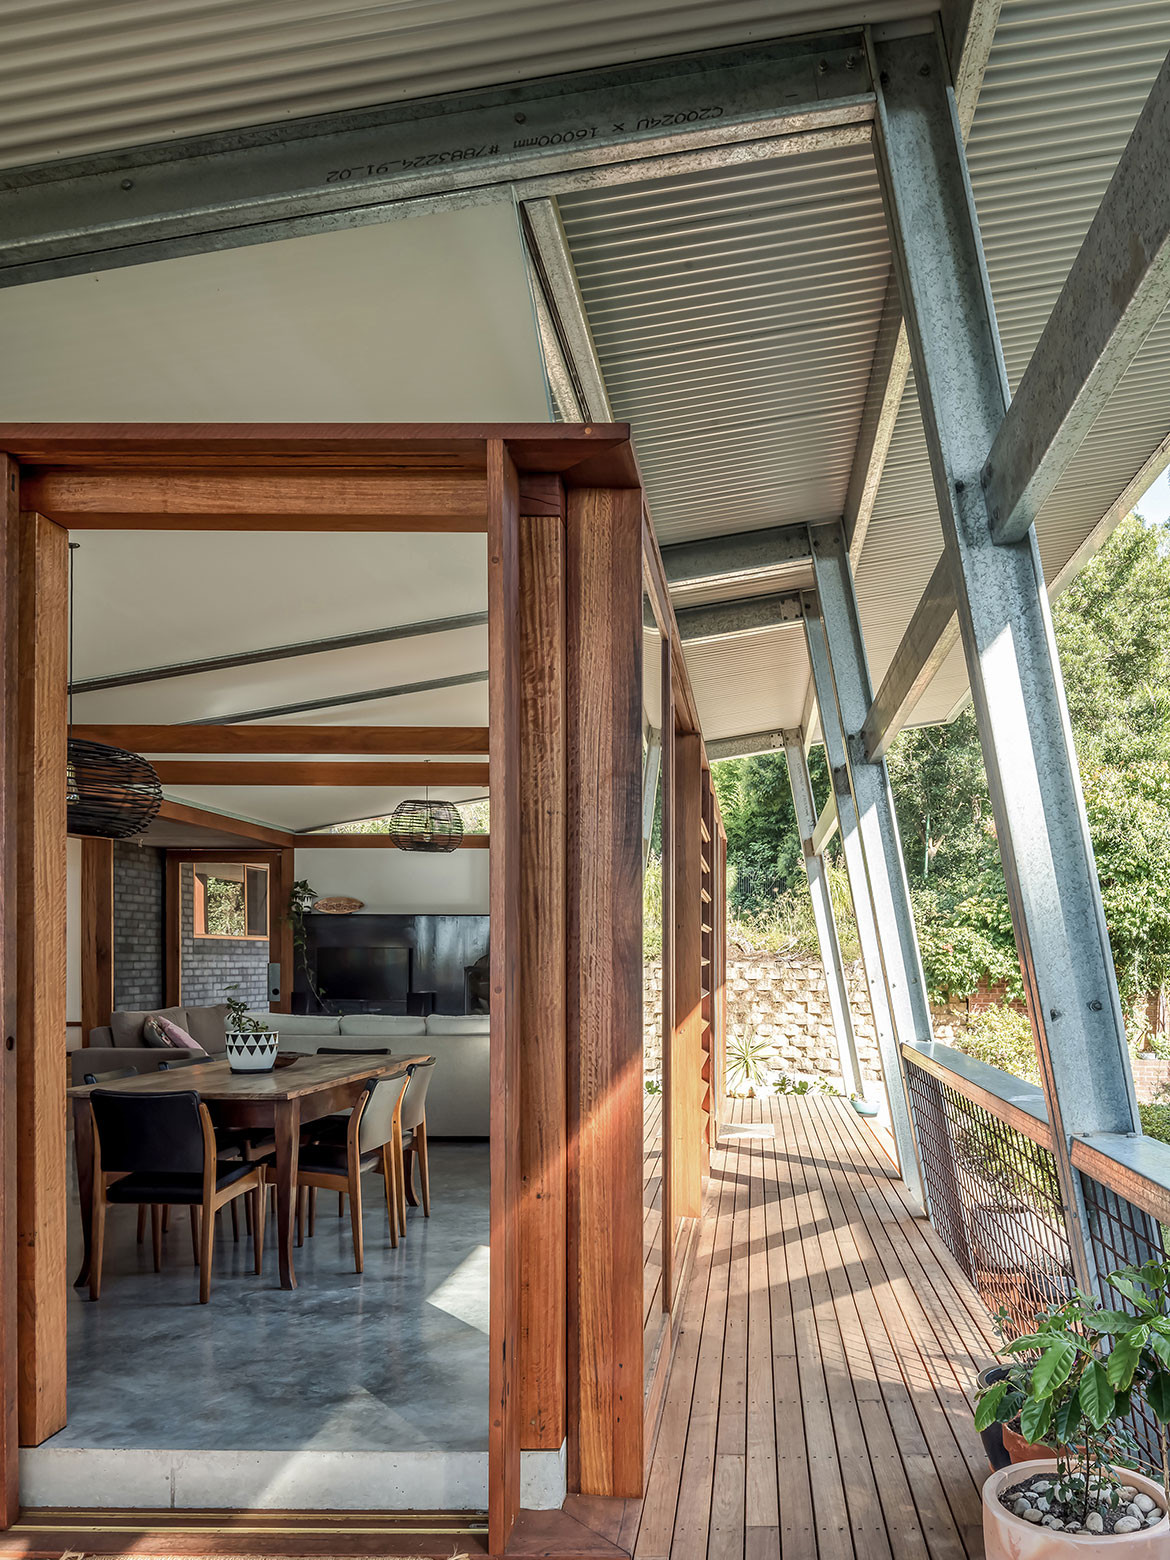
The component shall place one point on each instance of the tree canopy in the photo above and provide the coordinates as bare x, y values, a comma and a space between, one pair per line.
1112, 628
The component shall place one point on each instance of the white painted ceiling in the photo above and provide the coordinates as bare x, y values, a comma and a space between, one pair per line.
422, 320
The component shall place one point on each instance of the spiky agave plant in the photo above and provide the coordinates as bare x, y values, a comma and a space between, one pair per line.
746, 1059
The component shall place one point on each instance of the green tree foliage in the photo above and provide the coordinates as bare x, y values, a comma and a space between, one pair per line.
764, 857
1112, 630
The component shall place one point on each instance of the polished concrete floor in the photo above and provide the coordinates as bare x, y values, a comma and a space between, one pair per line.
395, 1359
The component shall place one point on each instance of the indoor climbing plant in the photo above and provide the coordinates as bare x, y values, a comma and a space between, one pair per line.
300, 900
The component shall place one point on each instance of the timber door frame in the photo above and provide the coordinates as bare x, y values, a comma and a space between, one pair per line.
489, 480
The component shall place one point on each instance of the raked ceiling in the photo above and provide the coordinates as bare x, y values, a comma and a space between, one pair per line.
735, 313
427, 319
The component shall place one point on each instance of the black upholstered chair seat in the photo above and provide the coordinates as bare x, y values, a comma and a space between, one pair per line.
331, 1159
145, 1186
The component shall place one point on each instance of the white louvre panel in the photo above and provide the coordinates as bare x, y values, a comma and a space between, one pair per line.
81, 76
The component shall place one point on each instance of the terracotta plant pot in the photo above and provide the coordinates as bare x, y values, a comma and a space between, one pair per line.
1021, 1451
1008, 1537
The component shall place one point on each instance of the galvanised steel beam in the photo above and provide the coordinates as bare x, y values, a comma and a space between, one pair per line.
826, 924
877, 820
651, 769
1004, 618
610, 126
827, 823
563, 317
743, 555
221, 663
1115, 290
743, 747
970, 29
874, 953
725, 619
930, 636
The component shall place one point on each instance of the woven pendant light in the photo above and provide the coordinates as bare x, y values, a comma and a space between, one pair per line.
426, 826
109, 794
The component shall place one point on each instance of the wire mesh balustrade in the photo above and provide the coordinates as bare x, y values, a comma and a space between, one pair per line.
994, 1200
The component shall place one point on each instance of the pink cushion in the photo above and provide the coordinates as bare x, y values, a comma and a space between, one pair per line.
177, 1035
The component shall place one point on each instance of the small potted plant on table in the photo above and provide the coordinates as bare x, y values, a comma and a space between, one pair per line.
249, 1043
1071, 1386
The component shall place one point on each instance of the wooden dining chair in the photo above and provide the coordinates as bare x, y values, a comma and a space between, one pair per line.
159, 1150
411, 1141
344, 1148
312, 1130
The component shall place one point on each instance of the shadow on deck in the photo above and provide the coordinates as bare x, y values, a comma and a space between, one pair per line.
819, 1401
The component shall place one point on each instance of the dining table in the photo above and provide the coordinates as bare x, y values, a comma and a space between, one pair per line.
303, 1089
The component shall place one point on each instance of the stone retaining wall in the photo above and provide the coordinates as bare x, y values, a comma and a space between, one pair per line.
784, 1001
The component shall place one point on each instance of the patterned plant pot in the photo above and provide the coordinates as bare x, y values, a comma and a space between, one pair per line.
251, 1050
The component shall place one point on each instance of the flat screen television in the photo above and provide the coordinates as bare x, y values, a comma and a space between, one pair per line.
364, 974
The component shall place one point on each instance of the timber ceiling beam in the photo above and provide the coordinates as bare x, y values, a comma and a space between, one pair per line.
290, 739
237, 500
207, 818
374, 842
223, 663
317, 772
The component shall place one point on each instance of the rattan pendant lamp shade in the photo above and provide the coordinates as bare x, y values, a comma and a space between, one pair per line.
426, 826
109, 794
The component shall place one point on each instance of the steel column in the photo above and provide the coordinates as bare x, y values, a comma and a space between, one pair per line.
651, 769
1004, 618
868, 936
822, 902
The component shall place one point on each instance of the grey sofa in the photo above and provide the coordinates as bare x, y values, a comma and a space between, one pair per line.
459, 1099
120, 1043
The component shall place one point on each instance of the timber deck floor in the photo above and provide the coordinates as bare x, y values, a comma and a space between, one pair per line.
818, 1405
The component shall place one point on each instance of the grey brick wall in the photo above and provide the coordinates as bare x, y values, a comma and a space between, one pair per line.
139, 909
211, 964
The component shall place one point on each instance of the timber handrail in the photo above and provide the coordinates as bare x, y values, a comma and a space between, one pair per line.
1135, 1167
1018, 1103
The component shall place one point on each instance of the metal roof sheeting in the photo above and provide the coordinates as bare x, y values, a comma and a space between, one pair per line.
734, 313
1064, 85
80, 76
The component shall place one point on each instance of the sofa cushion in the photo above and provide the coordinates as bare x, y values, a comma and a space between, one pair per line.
459, 1024
382, 1024
126, 1028
205, 1026
291, 1024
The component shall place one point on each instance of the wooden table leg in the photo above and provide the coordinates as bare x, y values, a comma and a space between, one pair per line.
83, 1153
288, 1138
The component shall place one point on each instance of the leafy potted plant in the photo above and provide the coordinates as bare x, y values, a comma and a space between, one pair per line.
1071, 1394
249, 1043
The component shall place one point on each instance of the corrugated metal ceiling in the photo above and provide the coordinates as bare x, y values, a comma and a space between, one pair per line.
734, 313
80, 76
1064, 85
735, 318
